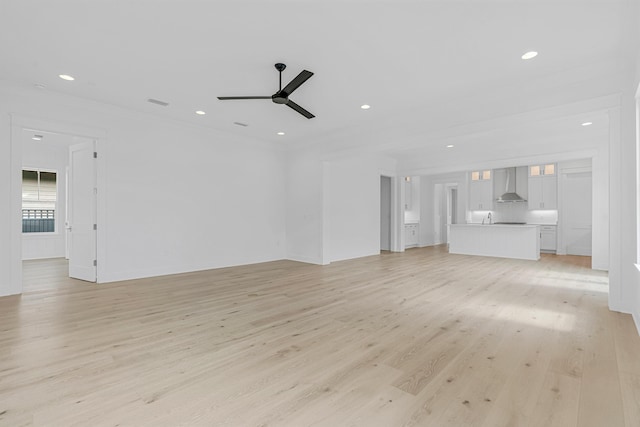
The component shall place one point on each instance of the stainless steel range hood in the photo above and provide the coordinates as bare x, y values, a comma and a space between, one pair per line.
510, 195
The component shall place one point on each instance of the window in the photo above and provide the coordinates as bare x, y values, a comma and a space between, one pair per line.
39, 195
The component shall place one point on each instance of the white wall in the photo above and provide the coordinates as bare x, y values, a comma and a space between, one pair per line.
333, 205
353, 197
10, 257
43, 155
181, 201
632, 245
304, 208
623, 275
172, 197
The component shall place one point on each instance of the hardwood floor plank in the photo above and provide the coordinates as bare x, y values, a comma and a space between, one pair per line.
557, 405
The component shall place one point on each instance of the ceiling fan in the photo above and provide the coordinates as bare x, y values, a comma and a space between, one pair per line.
282, 95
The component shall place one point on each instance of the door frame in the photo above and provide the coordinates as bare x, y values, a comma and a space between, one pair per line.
390, 207
19, 123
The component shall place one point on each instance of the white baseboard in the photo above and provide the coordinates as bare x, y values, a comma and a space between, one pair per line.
169, 270
620, 308
305, 259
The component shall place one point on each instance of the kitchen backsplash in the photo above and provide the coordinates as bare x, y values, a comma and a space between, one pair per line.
515, 212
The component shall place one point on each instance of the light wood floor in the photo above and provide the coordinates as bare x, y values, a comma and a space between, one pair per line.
422, 338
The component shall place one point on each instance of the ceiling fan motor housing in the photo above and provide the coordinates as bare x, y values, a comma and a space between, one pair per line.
280, 98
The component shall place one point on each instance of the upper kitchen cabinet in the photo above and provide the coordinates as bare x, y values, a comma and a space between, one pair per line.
543, 187
481, 190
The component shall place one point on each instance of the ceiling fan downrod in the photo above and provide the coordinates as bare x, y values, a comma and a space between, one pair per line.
280, 67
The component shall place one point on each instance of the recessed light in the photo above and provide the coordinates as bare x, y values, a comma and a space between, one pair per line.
450, 146
37, 137
530, 55
280, 133
66, 77
200, 113
587, 123
365, 106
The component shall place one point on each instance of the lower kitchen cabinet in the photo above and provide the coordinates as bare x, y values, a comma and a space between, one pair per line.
548, 238
411, 232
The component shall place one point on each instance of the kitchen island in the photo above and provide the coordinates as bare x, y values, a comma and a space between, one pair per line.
520, 241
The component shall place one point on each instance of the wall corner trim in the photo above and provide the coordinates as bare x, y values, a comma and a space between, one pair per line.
636, 320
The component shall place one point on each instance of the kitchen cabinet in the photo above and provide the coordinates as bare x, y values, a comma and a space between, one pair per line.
543, 187
411, 233
498, 240
481, 191
548, 235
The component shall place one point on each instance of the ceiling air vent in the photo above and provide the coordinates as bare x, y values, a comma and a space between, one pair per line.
240, 124
158, 102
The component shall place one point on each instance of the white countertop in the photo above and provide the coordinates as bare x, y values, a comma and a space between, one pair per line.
497, 225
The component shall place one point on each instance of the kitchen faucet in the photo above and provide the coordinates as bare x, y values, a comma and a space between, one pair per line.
489, 217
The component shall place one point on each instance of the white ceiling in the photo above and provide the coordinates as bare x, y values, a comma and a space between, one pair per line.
420, 64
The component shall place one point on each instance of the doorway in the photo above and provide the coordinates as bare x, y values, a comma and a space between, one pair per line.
577, 213
58, 139
385, 213
445, 210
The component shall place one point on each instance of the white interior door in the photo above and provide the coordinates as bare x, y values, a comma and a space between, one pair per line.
576, 206
66, 213
82, 212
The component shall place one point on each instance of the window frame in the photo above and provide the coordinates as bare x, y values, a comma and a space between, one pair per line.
56, 203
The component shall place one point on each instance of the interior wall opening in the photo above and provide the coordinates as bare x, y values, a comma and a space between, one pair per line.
46, 193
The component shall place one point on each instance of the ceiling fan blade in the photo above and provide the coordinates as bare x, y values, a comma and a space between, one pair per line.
226, 98
299, 109
297, 81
